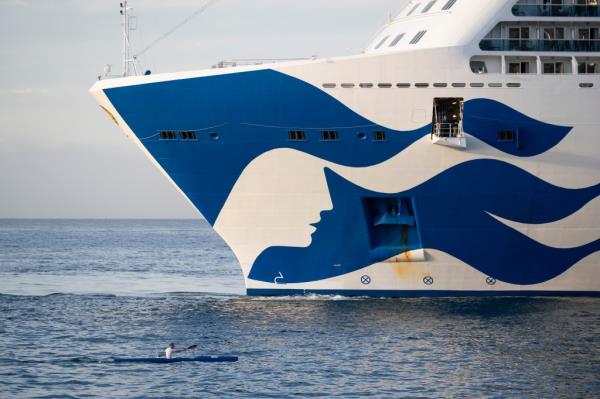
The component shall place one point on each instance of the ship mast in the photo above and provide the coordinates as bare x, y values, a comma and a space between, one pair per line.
129, 60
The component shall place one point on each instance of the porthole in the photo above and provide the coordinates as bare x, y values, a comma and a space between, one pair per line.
586, 85
214, 136
361, 136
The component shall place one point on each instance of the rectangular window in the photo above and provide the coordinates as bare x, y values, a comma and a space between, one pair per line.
187, 135
518, 67
507, 135
167, 135
554, 67
448, 5
329, 135
379, 136
587, 68
381, 42
413, 9
418, 37
396, 39
296, 135
428, 6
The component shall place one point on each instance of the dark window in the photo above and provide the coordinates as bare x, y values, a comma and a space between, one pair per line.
384, 85
396, 39
418, 37
214, 136
428, 6
440, 85
403, 85
513, 85
347, 85
329, 135
413, 9
494, 84
329, 85
459, 85
587, 67
379, 136
507, 135
365, 85
361, 135
421, 85
381, 42
586, 85
167, 135
449, 5
476, 84
187, 135
296, 135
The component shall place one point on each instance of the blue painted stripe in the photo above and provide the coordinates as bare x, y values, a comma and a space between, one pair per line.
418, 293
253, 112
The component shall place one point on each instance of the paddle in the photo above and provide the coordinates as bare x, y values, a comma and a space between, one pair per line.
162, 353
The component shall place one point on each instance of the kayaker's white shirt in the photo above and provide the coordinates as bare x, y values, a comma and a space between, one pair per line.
168, 352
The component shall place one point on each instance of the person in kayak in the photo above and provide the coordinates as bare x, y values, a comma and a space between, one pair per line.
171, 349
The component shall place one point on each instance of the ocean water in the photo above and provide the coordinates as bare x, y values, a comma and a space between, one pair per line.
75, 293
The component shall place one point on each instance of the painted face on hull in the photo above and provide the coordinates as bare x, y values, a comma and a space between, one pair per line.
448, 213
278, 199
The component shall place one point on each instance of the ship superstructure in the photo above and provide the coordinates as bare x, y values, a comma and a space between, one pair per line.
457, 155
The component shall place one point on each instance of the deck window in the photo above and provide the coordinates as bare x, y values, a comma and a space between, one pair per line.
428, 6
381, 42
365, 85
518, 67
412, 9
384, 85
396, 39
347, 85
587, 68
403, 85
329, 85
448, 5
329, 135
296, 135
418, 37
554, 67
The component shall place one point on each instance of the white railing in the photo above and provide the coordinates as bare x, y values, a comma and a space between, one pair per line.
452, 129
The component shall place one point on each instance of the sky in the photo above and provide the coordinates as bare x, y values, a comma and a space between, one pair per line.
61, 157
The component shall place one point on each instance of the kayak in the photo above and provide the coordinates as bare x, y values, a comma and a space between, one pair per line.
204, 359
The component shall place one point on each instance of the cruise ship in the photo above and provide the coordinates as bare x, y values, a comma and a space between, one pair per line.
457, 155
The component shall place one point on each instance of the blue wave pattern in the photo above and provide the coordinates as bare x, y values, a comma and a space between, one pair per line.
451, 212
484, 118
253, 112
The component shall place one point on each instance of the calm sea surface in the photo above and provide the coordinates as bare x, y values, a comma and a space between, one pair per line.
76, 293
